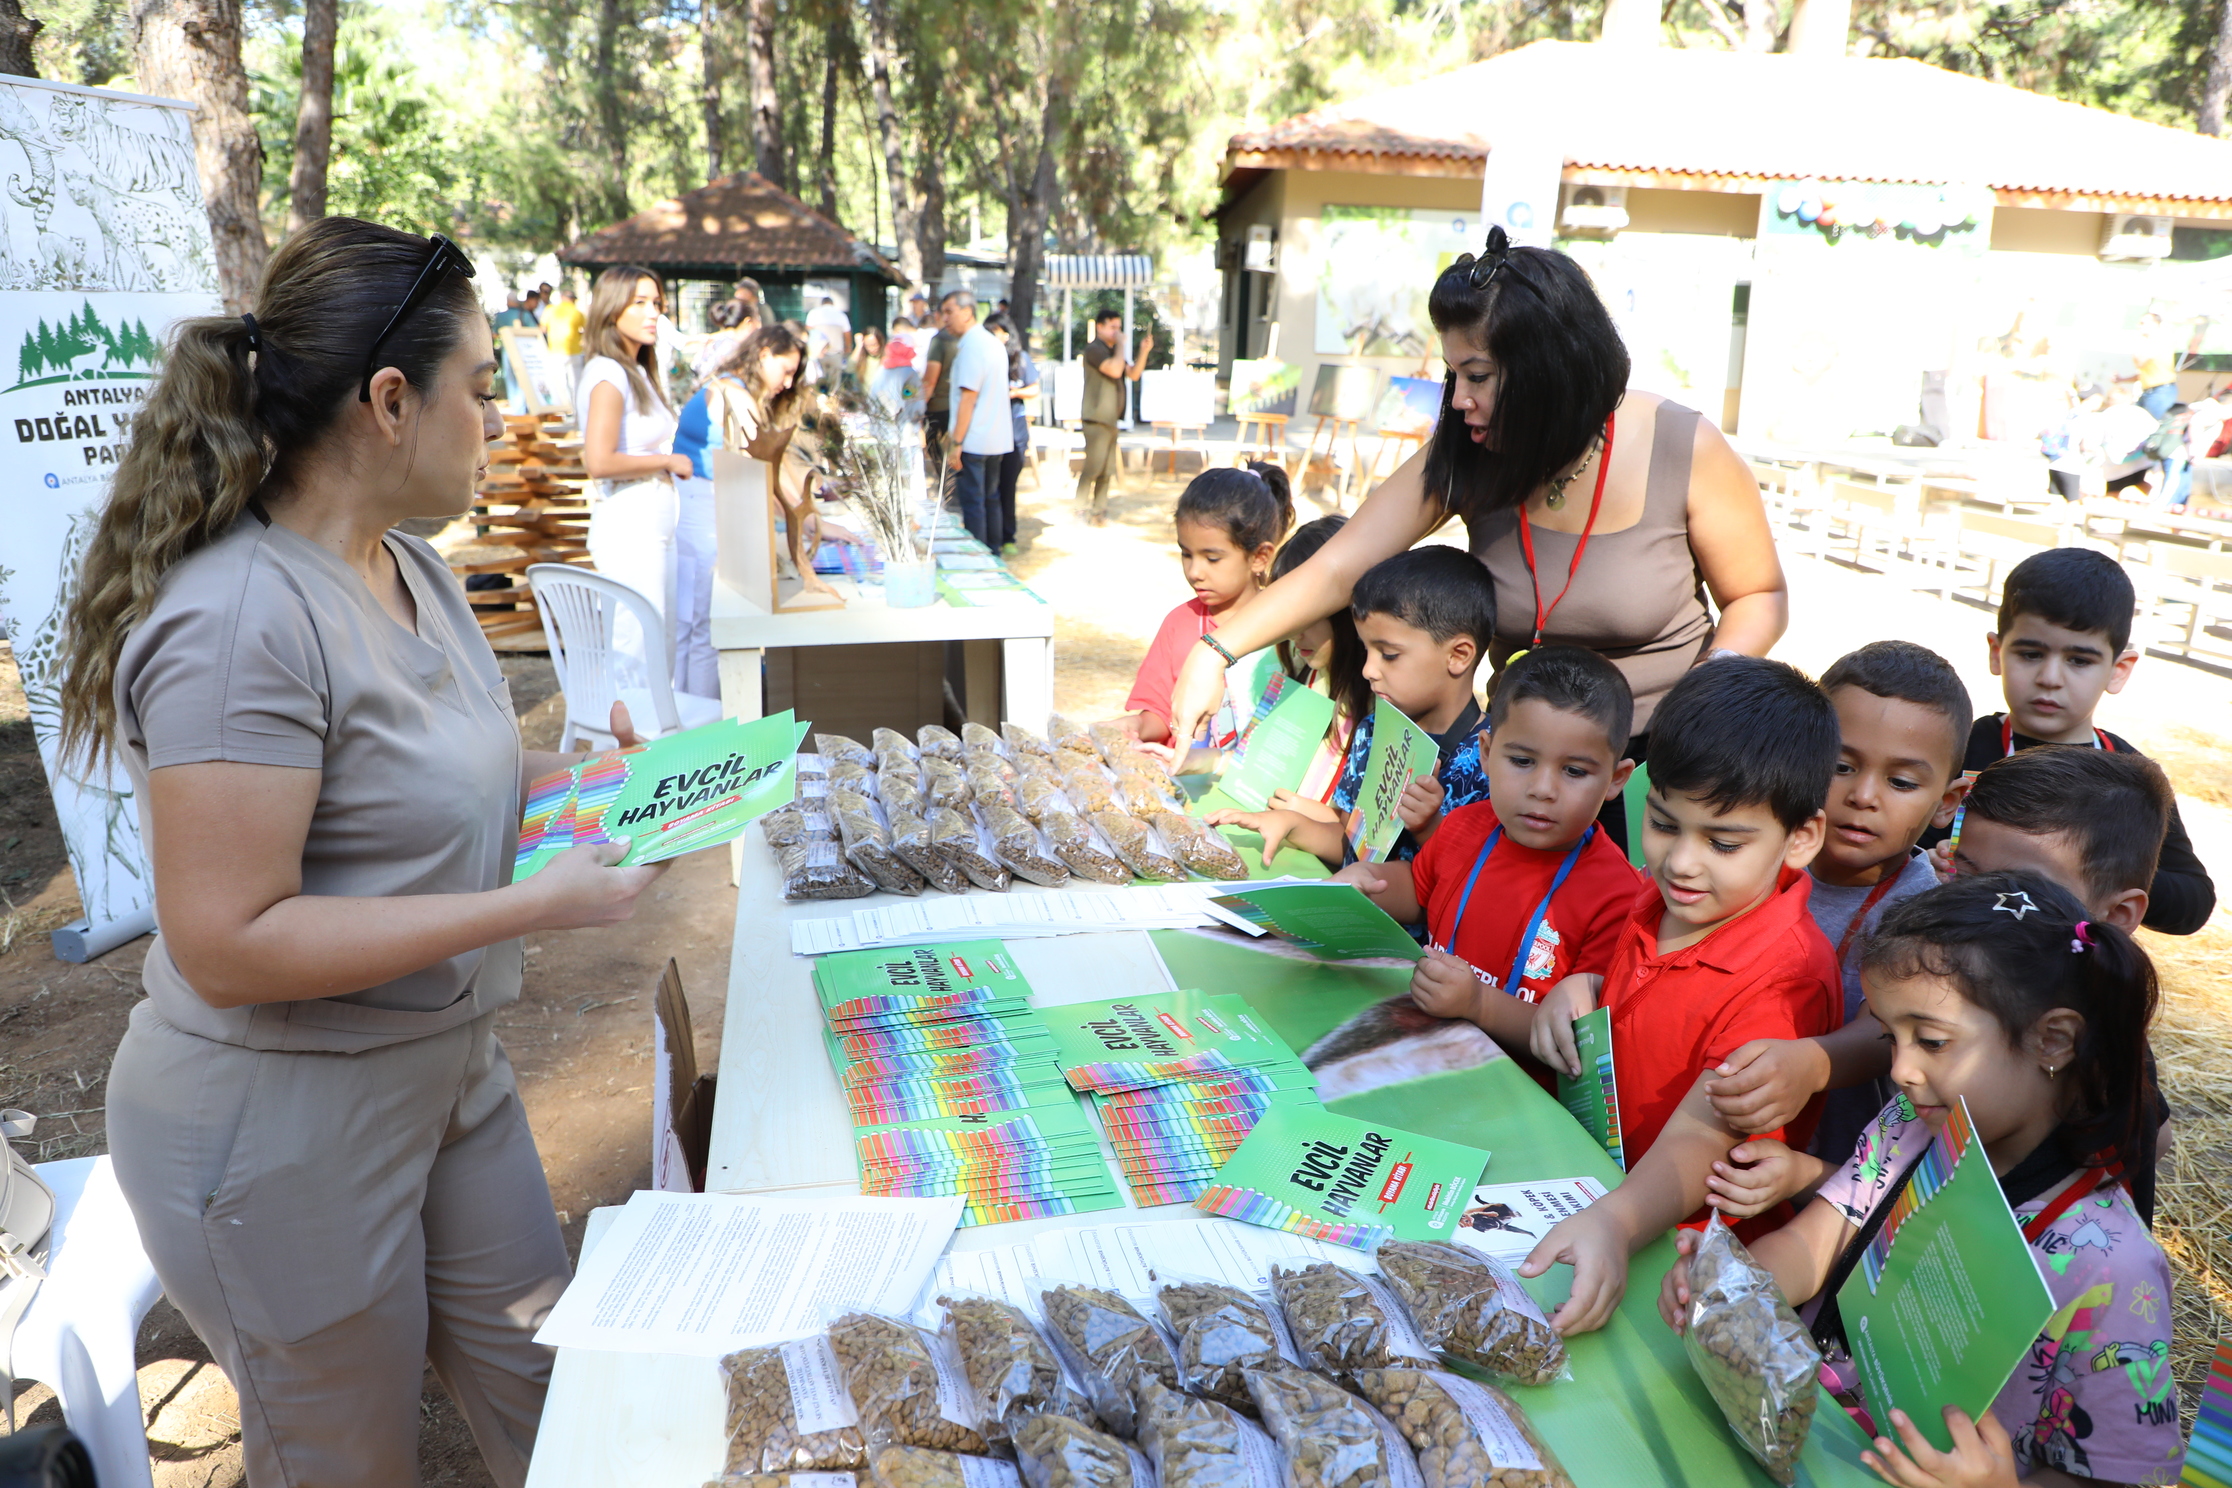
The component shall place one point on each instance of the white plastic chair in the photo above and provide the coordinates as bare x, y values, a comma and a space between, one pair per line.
81, 1331
579, 609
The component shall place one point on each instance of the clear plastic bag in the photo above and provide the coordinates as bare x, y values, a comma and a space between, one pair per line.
1089, 789
1136, 843
988, 780
937, 741
901, 790
868, 843
1057, 1452
788, 1411
1038, 796
1466, 1434
1749, 1348
1023, 744
943, 783
1110, 1346
835, 747
1222, 1333
976, 737
1085, 851
1329, 1438
814, 868
783, 826
1148, 791
1063, 734
1013, 1370
890, 741
1198, 847
911, 1391
855, 777
1339, 1320
1468, 1305
1203, 1443
1020, 846
910, 838
922, 1467
955, 833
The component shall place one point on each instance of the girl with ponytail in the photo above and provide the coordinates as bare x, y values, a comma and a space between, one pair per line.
309, 1114
1997, 989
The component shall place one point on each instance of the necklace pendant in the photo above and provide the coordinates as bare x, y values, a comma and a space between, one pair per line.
1555, 500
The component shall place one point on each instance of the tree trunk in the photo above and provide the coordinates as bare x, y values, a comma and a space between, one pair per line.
826, 165
611, 116
1027, 219
306, 192
904, 211
190, 49
930, 193
709, 51
16, 33
767, 122
1762, 25
2216, 89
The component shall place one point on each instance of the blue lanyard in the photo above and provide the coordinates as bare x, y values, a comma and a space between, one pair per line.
1526, 941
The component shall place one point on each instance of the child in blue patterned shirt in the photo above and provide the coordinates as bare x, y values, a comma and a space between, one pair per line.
1425, 617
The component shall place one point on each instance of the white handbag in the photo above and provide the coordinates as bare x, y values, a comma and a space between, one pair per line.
26, 1217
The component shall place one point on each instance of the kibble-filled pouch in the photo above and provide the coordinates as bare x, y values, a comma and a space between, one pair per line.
1203, 1443
936, 739
954, 832
1328, 1437
1018, 844
835, 747
1011, 1367
788, 1411
910, 1389
1198, 847
1057, 1452
1339, 1320
1751, 1351
1022, 742
1466, 1434
1110, 1346
1085, 851
1138, 846
1222, 1333
923, 1467
910, 838
1468, 1305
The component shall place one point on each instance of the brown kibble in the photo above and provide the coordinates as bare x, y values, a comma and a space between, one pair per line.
922, 1467
762, 1427
1753, 1354
1057, 1452
893, 1376
1222, 1332
1330, 1438
1426, 1409
1461, 1304
1110, 1345
1199, 846
1335, 1316
1011, 1368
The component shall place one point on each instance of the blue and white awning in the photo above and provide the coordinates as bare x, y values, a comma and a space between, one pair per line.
1098, 271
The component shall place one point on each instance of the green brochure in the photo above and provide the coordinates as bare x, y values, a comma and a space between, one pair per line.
1594, 1096
1174, 1029
1955, 1285
1332, 921
1401, 753
1276, 751
919, 984
695, 789
1313, 1172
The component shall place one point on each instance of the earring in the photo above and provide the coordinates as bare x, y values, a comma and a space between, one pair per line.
2051, 1072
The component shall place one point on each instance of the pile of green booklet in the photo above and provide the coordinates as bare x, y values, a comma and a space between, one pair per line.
1178, 1080
1310, 1171
953, 1085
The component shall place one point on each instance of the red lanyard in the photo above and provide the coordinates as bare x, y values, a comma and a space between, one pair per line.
2007, 738
1526, 541
2088, 1182
1883, 886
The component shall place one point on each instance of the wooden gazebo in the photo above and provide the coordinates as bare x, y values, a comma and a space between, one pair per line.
744, 224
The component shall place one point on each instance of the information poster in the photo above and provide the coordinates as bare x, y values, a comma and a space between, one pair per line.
1375, 269
105, 246
1593, 1096
1401, 752
1947, 1299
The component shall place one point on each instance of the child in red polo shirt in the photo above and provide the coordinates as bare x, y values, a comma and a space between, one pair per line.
1719, 951
1527, 867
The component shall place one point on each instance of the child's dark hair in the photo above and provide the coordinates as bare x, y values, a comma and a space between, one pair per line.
1282, 488
1573, 680
2114, 808
1239, 503
2075, 588
1344, 677
1742, 730
1441, 590
2018, 946
1910, 674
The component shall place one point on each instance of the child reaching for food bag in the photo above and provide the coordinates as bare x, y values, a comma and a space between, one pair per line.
1229, 524
1998, 990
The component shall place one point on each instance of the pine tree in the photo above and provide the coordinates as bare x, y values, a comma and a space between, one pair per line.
29, 363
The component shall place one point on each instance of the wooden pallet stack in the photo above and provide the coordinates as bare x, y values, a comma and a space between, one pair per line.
532, 507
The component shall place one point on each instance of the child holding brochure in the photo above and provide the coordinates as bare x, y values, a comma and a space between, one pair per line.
1719, 951
1425, 617
1998, 990
1327, 657
1229, 524
1522, 891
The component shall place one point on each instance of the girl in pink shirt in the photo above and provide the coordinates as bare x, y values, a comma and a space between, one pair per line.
1998, 991
1229, 525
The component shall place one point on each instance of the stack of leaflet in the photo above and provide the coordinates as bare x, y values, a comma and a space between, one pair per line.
952, 1084
1178, 1080
1016, 916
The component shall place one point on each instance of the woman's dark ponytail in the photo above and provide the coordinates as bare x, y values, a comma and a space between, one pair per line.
2019, 946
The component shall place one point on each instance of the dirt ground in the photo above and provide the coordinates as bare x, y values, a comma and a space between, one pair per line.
580, 1034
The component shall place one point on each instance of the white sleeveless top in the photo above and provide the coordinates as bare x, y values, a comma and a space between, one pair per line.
642, 431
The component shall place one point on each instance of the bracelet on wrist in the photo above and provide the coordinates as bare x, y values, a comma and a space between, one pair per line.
1219, 647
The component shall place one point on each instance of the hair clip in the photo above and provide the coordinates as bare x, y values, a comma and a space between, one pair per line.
2083, 937
1491, 259
255, 337
2015, 909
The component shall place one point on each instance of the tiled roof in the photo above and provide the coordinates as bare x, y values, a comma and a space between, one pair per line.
1759, 115
743, 220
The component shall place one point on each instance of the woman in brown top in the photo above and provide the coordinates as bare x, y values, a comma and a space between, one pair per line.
310, 1115
1607, 518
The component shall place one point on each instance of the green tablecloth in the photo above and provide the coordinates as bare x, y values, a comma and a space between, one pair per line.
1634, 1413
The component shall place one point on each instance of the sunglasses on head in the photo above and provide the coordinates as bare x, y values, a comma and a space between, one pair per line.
1481, 272
443, 256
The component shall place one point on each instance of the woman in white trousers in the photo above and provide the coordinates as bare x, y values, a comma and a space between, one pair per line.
627, 449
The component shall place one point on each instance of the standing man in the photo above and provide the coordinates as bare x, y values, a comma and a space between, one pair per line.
1107, 373
562, 333
937, 378
829, 329
982, 431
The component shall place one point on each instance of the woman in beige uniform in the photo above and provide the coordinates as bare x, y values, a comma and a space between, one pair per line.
310, 1115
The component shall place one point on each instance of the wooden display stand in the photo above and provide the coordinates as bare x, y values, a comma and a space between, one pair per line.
1198, 443
1401, 440
533, 504
744, 529
1263, 433
1333, 429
